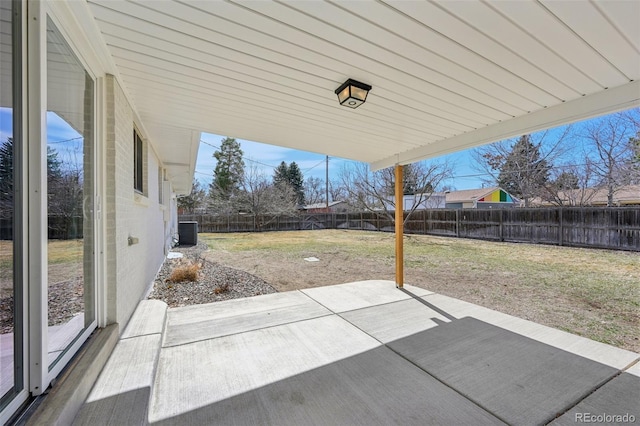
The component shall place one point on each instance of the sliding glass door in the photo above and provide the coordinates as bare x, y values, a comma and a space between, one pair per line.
11, 305
47, 238
70, 195
11, 335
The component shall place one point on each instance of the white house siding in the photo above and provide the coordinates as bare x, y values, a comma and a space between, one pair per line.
130, 268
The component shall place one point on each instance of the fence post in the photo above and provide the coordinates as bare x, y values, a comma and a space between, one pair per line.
502, 211
560, 227
424, 222
457, 223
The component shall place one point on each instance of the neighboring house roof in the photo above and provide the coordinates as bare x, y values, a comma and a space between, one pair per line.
321, 205
481, 194
629, 194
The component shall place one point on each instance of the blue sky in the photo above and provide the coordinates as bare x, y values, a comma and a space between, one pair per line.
267, 157
60, 135
68, 143
466, 172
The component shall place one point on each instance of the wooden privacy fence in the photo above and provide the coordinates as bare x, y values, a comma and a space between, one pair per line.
615, 228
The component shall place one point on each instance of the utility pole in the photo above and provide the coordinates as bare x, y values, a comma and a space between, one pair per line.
326, 183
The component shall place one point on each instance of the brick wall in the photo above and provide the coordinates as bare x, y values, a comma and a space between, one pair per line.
130, 268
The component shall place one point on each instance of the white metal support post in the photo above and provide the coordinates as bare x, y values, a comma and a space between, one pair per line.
36, 190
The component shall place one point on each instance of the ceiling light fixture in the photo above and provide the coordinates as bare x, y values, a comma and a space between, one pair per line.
352, 93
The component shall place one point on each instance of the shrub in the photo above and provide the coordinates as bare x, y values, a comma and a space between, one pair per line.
184, 273
222, 288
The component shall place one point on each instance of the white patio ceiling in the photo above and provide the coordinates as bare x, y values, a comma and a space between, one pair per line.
446, 75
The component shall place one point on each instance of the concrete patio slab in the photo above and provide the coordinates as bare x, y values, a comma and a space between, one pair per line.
395, 320
590, 349
618, 402
518, 379
201, 322
121, 393
375, 387
390, 356
6, 362
148, 318
198, 374
360, 294
634, 369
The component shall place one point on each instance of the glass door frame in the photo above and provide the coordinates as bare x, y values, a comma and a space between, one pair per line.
20, 273
40, 375
31, 225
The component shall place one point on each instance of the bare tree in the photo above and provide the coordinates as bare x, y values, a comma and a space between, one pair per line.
570, 185
374, 191
259, 195
337, 191
314, 190
195, 199
522, 165
610, 142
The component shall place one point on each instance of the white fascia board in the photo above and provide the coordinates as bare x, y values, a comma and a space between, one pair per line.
193, 157
605, 102
181, 174
79, 26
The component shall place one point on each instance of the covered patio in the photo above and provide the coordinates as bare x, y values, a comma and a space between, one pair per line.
356, 353
445, 76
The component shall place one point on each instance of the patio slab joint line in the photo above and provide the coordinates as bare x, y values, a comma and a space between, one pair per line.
450, 387
363, 307
402, 356
416, 365
631, 364
246, 331
591, 392
319, 303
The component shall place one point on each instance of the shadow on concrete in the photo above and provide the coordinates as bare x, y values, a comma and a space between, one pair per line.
128, 408
518, 379
372, 388
458, 373
427, 304
619, 399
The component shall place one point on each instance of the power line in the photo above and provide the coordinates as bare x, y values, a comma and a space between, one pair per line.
468, 176
313, 167
243, 157
66, 140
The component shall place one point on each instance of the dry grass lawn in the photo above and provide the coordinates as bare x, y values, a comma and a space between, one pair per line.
592, 293
64, 259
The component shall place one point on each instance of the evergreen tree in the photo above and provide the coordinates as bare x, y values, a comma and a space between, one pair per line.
54, 164
566, 180
281, 174
6, 179
229, 170
296, 180
54, 173
290, 175
523, 171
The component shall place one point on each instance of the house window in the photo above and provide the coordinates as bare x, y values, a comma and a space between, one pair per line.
138, 162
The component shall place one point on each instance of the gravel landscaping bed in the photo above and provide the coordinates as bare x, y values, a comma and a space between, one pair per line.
215, 282
65, 301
